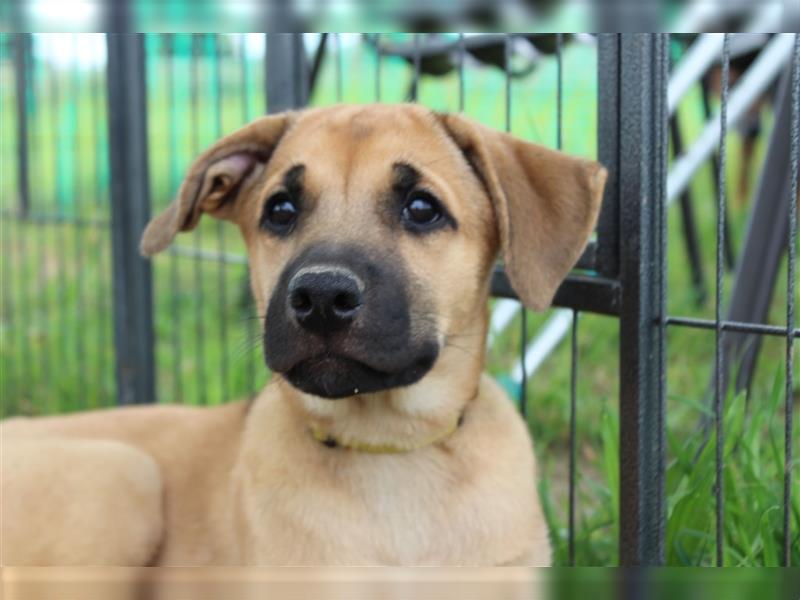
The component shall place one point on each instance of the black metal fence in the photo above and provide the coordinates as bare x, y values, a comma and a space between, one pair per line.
147, 106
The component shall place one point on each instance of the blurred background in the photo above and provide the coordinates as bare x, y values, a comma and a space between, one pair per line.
538, 16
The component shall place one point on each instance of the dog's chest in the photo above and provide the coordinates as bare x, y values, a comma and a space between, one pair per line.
394, 512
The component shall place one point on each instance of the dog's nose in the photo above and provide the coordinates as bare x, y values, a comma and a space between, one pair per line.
324, 299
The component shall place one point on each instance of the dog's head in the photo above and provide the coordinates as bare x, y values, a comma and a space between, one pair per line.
371, 233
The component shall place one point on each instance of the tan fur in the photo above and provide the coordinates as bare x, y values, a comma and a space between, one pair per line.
245, 483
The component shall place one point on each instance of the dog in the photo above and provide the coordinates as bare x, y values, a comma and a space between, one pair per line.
371, 232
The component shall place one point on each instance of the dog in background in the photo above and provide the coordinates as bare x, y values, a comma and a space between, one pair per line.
371, 233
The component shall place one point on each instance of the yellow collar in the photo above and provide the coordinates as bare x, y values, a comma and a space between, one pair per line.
328, 440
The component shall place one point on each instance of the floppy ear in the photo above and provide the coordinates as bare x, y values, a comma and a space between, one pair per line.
215, 179
545, 203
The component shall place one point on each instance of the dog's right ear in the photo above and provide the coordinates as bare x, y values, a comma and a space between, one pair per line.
545, 202
214, 180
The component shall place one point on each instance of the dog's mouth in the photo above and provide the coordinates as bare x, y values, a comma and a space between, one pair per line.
337, 376
342, 321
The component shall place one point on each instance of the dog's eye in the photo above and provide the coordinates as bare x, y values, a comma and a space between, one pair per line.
280, 213
422, 211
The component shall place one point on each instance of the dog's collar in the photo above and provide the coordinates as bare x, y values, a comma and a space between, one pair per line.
328, 440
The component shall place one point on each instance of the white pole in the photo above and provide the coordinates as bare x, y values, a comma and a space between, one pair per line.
546, 340
698, 58
752, 84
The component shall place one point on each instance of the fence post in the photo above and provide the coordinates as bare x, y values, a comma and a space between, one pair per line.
21, 58
607, 258
287, 72
130, 212
641, 182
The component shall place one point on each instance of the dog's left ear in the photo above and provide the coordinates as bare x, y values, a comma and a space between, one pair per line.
214, 180
545, 202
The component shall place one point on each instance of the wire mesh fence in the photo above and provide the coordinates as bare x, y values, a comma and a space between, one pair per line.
98, 130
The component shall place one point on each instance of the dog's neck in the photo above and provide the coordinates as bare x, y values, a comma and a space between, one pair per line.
401, 419
330, 441
394, 421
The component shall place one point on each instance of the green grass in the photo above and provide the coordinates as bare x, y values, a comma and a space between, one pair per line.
57, 350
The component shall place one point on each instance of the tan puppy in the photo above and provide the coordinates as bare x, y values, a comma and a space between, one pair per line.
371, 233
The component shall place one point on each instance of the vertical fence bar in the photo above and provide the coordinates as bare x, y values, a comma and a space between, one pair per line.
44, 315
244, 78
130, 212
252, 322
316, 62
78, 242
719, 386
462, 50
101, 199
507, 54
523, 326
378, 67
174, 271
22, 67
730, 255
13, 326
573, 427
16, 366
559, 89
661, 226
287, 86
196, 122
573, 370
337, 37
220, 226
15, 333
794, 157
21, 57
414, 94
642, 177
61, 349
608, 150
761, 251
37, 356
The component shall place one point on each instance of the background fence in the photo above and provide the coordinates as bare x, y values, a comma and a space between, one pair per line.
97, 131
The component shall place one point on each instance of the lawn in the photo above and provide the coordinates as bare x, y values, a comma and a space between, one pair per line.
57, 327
